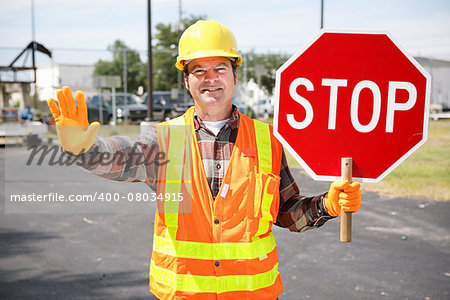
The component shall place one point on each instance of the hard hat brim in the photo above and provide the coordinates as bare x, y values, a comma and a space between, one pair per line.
206, 53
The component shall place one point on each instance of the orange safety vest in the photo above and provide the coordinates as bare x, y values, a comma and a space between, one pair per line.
222, 248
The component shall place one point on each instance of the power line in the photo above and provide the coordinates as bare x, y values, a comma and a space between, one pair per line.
59, 49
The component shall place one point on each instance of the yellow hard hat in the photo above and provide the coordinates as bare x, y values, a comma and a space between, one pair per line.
206, 39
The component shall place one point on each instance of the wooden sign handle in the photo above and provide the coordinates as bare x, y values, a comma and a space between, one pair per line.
346, 217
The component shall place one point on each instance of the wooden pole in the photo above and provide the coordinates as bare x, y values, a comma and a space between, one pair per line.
346, 217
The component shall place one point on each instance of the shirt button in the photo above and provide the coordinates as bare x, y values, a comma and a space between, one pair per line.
217, 263
218, 166
216, 221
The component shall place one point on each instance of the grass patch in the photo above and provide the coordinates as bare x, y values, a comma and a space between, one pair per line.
426, 173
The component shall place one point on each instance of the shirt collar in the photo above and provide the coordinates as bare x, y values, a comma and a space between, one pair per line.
232, 122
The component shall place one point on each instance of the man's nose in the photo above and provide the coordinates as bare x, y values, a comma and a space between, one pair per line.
210, 75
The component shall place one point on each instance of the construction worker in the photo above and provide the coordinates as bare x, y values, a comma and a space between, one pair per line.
229, 170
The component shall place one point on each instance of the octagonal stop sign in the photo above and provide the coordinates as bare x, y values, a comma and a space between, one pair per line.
351, 94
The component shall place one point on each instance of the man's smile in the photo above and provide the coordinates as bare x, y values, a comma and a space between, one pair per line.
211, 89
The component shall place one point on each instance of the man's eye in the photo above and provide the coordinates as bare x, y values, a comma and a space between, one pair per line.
221, 70
199, 72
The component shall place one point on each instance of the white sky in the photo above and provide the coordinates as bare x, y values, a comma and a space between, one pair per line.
422, 27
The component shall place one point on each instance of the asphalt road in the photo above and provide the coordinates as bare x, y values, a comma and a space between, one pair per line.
400, 247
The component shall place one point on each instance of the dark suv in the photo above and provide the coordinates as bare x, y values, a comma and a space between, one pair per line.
127, 108
165, 107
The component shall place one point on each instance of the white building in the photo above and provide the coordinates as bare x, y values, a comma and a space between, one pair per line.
49, 78
440, 81
250, 93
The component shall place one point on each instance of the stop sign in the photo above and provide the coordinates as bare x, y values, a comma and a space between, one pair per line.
351, 94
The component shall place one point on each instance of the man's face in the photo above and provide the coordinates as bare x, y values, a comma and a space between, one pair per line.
211, 82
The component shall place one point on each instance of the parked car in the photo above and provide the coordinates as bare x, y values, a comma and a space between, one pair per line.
164, 107
264, 108
128, 107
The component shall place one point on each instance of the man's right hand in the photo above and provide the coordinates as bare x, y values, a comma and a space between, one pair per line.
343, 194
74, 132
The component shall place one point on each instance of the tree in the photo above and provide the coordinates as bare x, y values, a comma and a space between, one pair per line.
136, 70
165, 52
264, 65
165, 75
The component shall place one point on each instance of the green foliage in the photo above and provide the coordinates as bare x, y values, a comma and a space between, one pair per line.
165, 75
165, 52
136, 70
264, 65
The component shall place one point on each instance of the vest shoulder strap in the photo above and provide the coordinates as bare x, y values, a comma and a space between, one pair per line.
264, 146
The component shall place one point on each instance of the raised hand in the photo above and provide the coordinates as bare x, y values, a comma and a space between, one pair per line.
74, 132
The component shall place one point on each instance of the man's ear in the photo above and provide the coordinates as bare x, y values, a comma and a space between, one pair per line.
235, 77
186, 82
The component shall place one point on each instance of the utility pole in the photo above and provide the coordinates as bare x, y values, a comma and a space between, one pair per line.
245, 69
149, 62
32, 21
321, 14
125, 71
179, 75
33, 56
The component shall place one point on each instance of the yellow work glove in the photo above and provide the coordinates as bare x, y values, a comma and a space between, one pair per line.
74, 132
343, 194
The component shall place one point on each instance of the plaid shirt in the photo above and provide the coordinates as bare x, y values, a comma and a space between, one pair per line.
296, 212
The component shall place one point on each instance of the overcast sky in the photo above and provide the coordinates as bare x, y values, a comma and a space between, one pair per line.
421, 27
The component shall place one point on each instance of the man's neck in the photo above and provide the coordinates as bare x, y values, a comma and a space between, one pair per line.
214, 114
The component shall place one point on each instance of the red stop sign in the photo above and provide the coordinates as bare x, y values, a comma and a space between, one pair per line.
351, 94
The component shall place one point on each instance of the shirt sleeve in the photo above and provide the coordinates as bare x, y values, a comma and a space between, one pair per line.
297, 212
122, 158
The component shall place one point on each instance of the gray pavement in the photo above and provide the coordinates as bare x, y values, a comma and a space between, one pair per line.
400, 248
